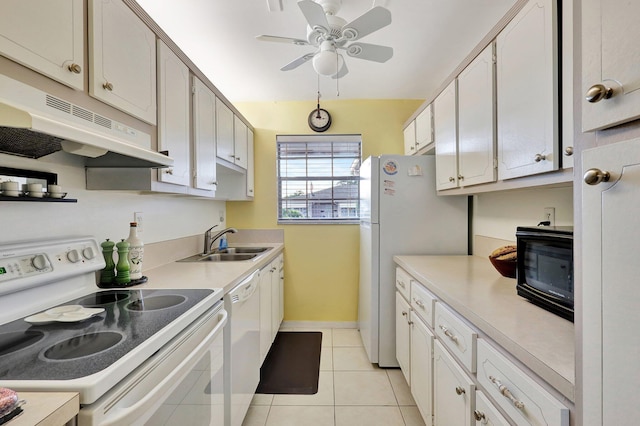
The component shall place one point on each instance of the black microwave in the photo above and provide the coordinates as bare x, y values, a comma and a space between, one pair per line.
544, 270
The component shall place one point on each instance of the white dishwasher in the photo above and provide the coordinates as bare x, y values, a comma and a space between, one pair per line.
242, 347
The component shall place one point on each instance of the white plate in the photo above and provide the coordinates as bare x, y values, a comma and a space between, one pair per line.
68, 313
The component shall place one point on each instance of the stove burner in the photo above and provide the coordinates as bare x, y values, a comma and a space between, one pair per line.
103, 298
155, 302
83, 345
13, 342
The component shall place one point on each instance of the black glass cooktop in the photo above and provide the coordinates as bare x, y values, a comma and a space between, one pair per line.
62, 351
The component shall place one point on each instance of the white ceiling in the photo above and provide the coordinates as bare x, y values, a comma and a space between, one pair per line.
430, 39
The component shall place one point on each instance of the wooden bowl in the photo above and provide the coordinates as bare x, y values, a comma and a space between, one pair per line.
507, 268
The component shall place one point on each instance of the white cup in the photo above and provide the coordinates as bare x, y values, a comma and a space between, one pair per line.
10, 193
35, 190
10, 186
53, 189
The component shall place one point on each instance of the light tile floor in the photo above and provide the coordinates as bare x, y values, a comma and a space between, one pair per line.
351, 391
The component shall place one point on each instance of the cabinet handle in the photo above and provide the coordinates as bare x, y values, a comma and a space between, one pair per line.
568, 151
598, 92
401, 284
507, 393
460, 390
419, 302
75, 68
460, 177
251, 190
452, 179
449, 334
480, 417
596, 176
214, 183
539, 157
411, 148
238, 158
107, 86
168, 171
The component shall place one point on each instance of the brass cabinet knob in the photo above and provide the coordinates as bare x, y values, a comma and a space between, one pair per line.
107, 86
596, 176
75, 68
168, 171
460, 390
568, 151
478, 415
540, 157
598, 92
452, 179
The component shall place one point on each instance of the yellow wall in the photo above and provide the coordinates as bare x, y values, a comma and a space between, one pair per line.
321, 261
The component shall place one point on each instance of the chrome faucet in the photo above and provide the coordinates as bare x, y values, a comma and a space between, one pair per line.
209, 240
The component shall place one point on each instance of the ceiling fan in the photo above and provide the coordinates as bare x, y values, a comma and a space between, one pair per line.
330, 34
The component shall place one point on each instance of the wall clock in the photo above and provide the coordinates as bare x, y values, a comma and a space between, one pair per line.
319, 119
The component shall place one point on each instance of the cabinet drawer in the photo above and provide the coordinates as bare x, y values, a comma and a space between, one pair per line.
423, 302
486, 413
458, 337
524, 400
403, 282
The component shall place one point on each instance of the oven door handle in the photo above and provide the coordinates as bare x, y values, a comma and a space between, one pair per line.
133, 413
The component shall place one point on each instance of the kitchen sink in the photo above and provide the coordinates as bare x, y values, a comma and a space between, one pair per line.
220, 257
241, 250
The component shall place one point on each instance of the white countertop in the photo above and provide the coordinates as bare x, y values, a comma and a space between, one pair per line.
539, 339
198, 275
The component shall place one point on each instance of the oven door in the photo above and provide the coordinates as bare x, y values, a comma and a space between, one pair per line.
182, 383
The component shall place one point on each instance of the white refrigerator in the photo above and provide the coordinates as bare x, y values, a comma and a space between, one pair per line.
401, 214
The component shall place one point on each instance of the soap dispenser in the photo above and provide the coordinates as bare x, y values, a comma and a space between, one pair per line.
223, 243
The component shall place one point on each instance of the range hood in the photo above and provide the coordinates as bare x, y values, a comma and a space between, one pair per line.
34, 123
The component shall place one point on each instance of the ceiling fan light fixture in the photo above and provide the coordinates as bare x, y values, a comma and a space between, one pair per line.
327, 62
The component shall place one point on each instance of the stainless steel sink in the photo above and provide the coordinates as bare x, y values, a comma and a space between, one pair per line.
220, 257
240, 250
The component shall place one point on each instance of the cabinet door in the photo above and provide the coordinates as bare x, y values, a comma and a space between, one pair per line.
476, 121
122, 59
276, 301
174, 93
224, 132
424, 130
486, 413
610, 270
403, 342
45, 36
422, 369
610, 55
240, 142
527, 92
446, 138
409, 134
453, 391
204, 136
265, 312
250, 164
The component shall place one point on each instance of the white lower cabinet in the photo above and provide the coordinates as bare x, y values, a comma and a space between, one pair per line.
422, 368
271, 303
453, 390
486, 413
277, 281
403, 336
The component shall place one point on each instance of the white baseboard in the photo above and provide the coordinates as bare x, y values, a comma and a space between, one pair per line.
318, 324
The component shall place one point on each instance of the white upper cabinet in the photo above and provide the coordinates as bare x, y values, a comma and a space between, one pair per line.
174, 96
610, 56
204, 136
446, 138
424, 129
122, 65
476, 120
224, 132
46, 36
527, 92
409, 134
250, 166
240, 142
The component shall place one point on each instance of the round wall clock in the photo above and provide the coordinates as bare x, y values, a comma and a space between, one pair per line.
319, 119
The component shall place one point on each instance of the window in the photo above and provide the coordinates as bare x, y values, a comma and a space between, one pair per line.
319, 178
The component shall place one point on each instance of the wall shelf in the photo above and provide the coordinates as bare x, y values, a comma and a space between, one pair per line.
38, 200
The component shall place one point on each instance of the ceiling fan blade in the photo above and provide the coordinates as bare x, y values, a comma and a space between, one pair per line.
372, 20
369, 52
297, 62
279, 39
314, 14
343, 71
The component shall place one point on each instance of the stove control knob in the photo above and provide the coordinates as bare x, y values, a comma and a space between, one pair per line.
40, 262
88, 253
73, 256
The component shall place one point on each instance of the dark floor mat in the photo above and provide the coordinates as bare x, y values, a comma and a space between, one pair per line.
292, 366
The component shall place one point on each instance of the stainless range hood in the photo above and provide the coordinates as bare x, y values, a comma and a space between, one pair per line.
34, 123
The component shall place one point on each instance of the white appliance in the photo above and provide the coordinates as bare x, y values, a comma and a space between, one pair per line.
141, 356
243, 341
400, 214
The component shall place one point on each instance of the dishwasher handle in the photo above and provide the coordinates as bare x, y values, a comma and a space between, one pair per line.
246, 288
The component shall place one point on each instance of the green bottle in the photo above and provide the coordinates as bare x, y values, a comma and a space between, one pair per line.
122, 268
108, 274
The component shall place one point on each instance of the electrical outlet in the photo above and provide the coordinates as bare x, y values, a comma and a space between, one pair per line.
137, 217
550, 215
221, 213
